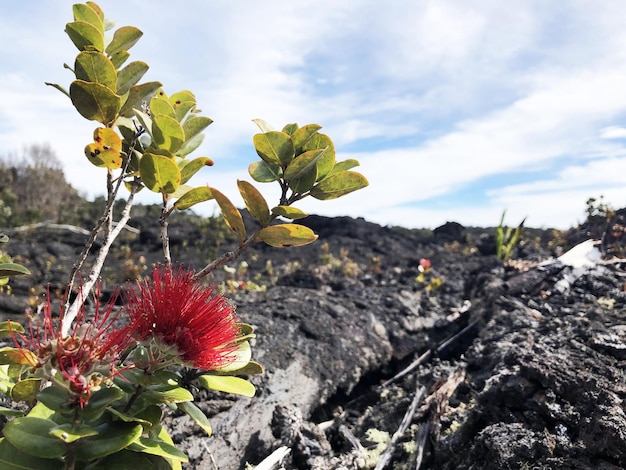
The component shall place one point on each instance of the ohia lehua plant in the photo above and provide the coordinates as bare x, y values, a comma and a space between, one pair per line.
94, 382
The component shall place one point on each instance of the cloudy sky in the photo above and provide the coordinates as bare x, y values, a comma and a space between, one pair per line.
456, 110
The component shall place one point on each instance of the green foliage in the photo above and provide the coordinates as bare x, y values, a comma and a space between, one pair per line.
507, 238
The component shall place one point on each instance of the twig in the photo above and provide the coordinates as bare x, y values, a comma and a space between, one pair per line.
406, 421
422, 435
206, 446
226, 257
272, 461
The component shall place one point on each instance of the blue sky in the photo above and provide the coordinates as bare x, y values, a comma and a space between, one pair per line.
456, 110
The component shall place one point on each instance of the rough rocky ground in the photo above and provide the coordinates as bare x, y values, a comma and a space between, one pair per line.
503, 366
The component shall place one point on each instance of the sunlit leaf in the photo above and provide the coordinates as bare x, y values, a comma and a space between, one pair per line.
181, 97
263, 125
136, 96
32, 436
130, 75
94, 101
242, 355
305, 182
157, 447
275, 148
26, 390
345, 165
93, 66
71, 433
251, 368
231, 214
9, 328
167, 133
165, 393
255, 202
159, 173
195, 125
192, 167
106, 151
304, 134
85, 36
339, 184
9, 355
190, 145
123, 39
289, 212
227, 384
12, 269
327, 162
303, 164
290, 128
87, 14
284, 235
11, 412
193, 197
264, 173
119, 58
161, 105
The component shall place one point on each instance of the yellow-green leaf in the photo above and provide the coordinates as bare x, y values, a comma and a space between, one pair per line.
157, 447
285, 235
327, 161
159, 173
85, 36
87, 14
112, 437
255, 202
251, 368
161, 105
197, 415
12, 269
26, 390
231, 214
263, 125
106, 151
228, 384
192, 167
167, 133
302, 135
9, 355
70, 433
123, 39
289, 212
95, 101
193, 197
339, 184
94, 66
263, 172
275, 148
8, 328
130, 75
304, 164
195, 125
242, 356
181, 97
345, 165
137, 95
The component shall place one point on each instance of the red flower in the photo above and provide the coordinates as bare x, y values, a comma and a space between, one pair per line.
81, 360
184, 318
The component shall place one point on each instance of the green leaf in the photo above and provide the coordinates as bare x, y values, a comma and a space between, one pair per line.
327, 162
11, 412
255, 202
166, 393
136, 96
11, 458
129, 76
119, 58
193, 197
12, 269
181, 97
94, 101
190, 145
128, 460
304, 183
263, 125
58, 87
100, 400
85, 36
54, 398
161, 105
339, 184
290, 129
285, 235
93, 66
167, 133
197, 415
275, 148
87, 14
185, 111
112, 437
303, 164
70, 433
195, 125
159, 173
251, 368
32, 436
231, 214
26, 390
10, 355
304, 134
123, 39
264, 173
289, 212
227, 384
242, 356
157, 447
345, 165
192, 167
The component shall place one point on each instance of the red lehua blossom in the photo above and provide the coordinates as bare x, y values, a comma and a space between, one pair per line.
83, 358
183, 317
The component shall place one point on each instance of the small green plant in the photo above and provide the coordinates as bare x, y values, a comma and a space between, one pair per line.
426, 276
507, 238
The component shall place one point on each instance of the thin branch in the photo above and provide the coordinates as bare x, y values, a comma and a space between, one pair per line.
226, 257
70, 314
164, 221
422, 436
406, 421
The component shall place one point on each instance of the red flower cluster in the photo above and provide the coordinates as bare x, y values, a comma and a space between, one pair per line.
80, 360
184, 318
